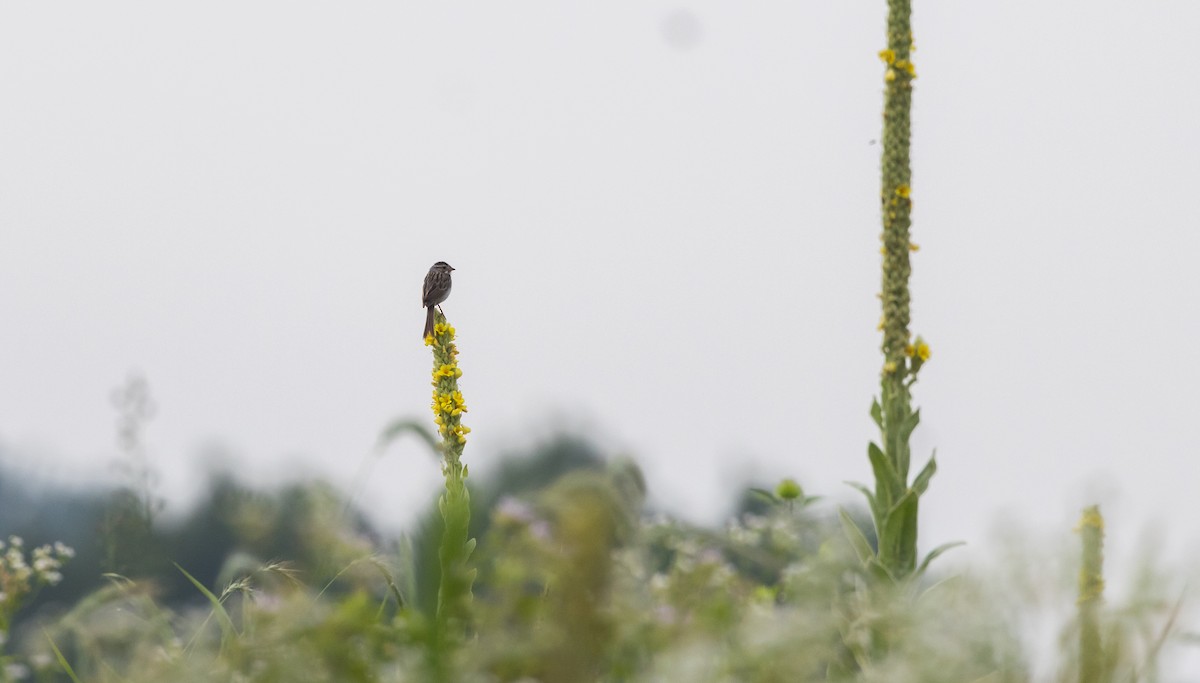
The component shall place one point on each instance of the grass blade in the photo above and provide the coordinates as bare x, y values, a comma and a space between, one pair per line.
62, 661
228, 632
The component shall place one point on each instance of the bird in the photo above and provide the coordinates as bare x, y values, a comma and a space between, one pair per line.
435, 291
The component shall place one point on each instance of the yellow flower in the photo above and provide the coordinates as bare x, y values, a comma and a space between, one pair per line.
889, 367
460, 433
888, 56
908, 66
890, 75
903, 191
429, 341
914, 247
910, 350
449, 370
922, 350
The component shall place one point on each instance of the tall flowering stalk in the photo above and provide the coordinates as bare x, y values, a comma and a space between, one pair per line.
894, 500
454, 592
1091, 594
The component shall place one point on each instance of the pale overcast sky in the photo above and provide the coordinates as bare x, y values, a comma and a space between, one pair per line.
664, 223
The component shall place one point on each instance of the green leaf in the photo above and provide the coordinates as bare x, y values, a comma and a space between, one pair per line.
866, 492
936, 585
877, 413
765, 496
857, 539
879, 571
62, 661
922, 481
933, 554
399, 427
898, 539
906, 429
227, 629
885, 473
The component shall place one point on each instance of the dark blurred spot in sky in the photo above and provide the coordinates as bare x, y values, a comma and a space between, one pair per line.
681, 29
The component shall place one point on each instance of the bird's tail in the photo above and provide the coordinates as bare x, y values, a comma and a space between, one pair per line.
428, 322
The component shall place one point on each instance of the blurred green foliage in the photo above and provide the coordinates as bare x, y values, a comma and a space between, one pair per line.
577, 582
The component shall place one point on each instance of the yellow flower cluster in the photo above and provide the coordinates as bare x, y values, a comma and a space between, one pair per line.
446, 370
448, 404
905, 65
459, 432
919, 349
451, 405
440, 330
904, 191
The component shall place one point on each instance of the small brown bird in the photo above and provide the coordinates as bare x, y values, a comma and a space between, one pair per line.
435, 291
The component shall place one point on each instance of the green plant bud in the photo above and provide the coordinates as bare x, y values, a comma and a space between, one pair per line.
788, 489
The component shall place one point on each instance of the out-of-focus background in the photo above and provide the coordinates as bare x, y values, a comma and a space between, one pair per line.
664, 221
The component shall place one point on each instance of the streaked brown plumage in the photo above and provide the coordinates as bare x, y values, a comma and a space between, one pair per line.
435, 291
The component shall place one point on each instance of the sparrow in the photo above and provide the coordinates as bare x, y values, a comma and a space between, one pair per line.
435, 291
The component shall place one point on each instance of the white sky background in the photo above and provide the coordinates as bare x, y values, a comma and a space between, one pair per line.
665, 228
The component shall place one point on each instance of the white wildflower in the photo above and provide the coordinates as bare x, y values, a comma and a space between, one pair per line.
44, 564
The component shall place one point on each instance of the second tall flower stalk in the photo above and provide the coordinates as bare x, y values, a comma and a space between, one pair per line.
894, 499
